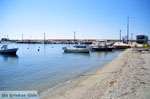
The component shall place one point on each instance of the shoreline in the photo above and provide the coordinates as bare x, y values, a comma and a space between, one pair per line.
101, 82
65, 84
74, 82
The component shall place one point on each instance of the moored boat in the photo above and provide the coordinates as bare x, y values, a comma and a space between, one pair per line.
101, 46
77, 49
4, 50
144, 47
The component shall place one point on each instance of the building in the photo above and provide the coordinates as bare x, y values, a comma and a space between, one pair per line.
141, 39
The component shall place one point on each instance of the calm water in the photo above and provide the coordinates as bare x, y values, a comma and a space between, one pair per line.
33, 70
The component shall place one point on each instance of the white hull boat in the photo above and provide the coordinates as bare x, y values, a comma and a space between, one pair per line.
102, 46
77, 49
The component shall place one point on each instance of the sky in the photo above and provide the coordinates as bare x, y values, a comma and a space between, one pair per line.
90, 19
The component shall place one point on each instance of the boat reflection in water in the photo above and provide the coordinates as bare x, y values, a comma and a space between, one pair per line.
9, 58
78, 54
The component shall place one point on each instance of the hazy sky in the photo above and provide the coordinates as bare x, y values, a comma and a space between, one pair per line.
91, 19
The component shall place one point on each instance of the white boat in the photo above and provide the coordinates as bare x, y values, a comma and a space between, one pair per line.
4, 50
101, 46
77, 49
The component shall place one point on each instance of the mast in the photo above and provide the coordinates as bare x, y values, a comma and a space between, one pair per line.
128, 29
44, 37
131, 38
22, 37
120, 35
74, 36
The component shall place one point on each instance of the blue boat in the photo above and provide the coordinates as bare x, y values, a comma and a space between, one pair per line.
4, 50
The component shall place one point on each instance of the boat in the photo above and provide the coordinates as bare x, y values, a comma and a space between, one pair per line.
121, 45
101, 46
110, 43
144, 47
77, 49
4, 50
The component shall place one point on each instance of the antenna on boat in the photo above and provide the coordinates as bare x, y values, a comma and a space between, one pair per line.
74, 35
22, 37
131, 38
120, 35
128, 29
44, 37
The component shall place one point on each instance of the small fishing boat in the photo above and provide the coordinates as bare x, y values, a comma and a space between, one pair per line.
4, 50
77, 49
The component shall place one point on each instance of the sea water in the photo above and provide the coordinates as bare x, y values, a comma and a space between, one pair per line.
41, 70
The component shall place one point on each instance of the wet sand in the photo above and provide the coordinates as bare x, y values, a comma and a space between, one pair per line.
125, 77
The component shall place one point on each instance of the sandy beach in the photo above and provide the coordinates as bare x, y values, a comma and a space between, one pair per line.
125, 77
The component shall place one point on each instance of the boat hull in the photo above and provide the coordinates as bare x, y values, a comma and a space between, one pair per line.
122, 47
76, 50
9, 51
